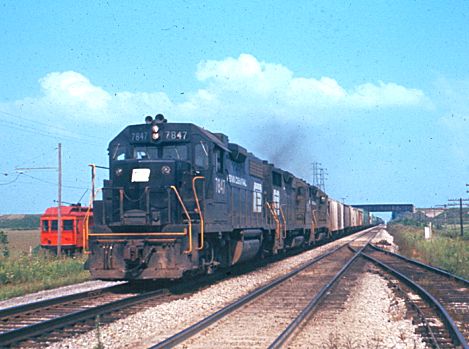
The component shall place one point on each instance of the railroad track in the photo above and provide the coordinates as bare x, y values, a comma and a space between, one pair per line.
439, 299
36, 321
271, 313
42, 322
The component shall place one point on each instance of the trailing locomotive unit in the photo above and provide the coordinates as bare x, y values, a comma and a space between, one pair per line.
182, 199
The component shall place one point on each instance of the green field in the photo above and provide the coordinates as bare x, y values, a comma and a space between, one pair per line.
22, 241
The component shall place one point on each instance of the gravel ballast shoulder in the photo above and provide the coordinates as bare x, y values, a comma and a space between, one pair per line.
373, 317
56, 292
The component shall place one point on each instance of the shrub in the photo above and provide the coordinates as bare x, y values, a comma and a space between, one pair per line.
5, 252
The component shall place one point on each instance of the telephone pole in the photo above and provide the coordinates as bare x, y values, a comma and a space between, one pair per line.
93, 179
59, 213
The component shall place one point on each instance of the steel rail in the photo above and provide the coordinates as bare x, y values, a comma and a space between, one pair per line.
45, 303
456, 335
420, 264
307, 311
23, 333
209, 320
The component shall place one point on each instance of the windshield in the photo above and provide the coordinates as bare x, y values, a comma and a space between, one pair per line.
168, 152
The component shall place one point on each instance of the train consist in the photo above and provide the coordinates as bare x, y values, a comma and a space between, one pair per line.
76, 220
182, 200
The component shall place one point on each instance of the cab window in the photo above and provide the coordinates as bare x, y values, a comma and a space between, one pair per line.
146, 153
54, 225
175, 152
119, 152
276, 179
201, 155
45, 225
219, 160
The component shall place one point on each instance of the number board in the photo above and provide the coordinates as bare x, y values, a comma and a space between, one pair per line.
139, 134
143, 134
175, 135
140, 137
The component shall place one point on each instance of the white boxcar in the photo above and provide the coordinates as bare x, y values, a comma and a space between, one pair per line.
333, 215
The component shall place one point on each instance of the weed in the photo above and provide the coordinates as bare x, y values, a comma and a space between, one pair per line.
25, 274
100, 344
332, 342
444, 250
4, 244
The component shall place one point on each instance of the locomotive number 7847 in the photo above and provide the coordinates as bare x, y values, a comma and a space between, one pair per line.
175, 135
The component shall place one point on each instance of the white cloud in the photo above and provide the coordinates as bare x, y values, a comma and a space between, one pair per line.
246, 76
71, 88
234, 88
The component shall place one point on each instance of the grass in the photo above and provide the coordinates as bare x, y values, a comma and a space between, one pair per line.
446, 249
23, 272
26, 274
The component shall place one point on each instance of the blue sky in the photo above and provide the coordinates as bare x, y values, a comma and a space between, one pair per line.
376, 91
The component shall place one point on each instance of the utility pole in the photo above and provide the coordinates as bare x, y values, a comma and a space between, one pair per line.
59, 212
461, 221
93, 178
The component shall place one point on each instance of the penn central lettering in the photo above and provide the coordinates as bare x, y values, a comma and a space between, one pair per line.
237, 180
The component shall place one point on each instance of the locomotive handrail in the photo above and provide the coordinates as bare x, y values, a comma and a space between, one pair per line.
86, 227
189, 221
284, 221
277, 223
313, 224
86, 230
201, 216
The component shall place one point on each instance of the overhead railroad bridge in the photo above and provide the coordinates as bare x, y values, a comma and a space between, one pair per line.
396, 209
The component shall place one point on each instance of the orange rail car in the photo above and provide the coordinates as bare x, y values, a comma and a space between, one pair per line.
76, 220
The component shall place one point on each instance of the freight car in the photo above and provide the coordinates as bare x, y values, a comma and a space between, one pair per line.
182, 200
76, 220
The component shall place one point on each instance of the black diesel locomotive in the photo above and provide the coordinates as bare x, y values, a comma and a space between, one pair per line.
181, 199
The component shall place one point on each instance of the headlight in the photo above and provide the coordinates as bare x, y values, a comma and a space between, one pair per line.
119, 171
154, 132
166, 170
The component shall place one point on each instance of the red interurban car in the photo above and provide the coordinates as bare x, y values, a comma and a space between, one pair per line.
76, 220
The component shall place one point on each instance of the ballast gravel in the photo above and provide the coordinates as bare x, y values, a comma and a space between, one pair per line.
373, 317
385, 240
57, 292
157, 323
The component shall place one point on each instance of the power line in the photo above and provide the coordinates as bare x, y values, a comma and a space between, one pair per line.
51, 183
61, 132
14, 180
36, 122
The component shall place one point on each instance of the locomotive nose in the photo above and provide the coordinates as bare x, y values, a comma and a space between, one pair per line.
140, 191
